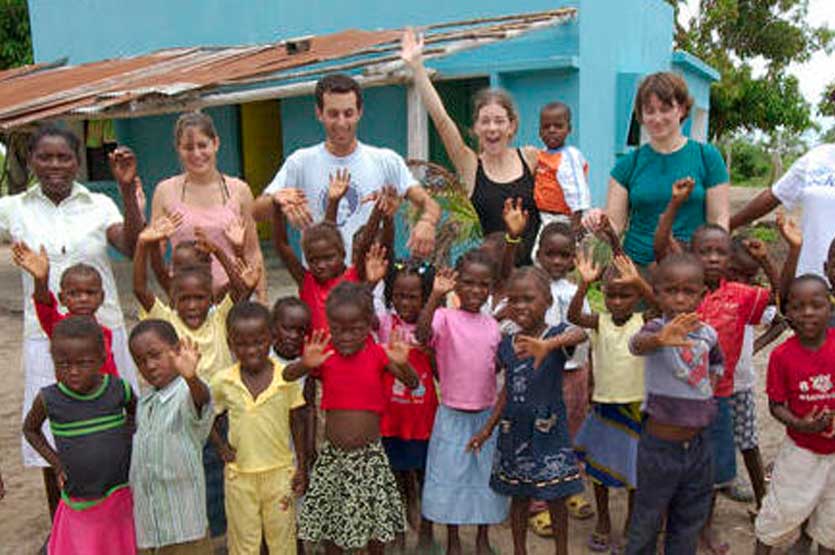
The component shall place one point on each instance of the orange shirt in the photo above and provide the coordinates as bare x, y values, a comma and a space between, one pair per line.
558, 187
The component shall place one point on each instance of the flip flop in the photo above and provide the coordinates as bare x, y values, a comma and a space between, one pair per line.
599, 542
540, 524
578, 507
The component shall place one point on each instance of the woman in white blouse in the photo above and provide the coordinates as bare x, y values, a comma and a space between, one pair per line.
73, 225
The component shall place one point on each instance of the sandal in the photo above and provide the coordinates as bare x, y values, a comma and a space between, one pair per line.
599, 542
578, 507
540, 524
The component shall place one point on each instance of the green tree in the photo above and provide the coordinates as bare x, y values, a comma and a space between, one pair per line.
826, 106
15, 35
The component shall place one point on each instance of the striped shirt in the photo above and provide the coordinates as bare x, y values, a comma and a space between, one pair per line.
166, 472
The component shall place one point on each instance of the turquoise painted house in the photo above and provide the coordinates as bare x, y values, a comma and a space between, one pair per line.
593, 63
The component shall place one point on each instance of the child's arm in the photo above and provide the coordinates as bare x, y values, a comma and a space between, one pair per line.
672, 334
607, 233
242, 277
161, 269
537, 348
185, 361
629, 273
792, 235
515, 220
309, 393
160, 229
385, 205
774, 331
662, 242
398, 353
443, 284
298, 426
37, 264
482, 436
34, 435
376, 265
316, 352
818, 421
339, 183
282, 245
227, 452
589, 273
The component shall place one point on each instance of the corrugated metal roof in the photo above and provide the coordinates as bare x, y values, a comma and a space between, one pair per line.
180, 78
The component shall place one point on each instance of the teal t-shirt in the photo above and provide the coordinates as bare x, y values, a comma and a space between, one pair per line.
648, 176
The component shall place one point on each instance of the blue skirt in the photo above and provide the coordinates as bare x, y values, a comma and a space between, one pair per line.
457, 489
608, 444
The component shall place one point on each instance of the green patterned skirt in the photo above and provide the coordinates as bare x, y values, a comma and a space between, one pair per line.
352, 499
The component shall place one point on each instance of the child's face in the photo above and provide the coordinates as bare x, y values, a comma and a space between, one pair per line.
81, 293
250, 340
714, 248
808, 310
192, 300
350, 326
473, 286
742, 268
679, 290
290, 327
556, 255
325, 259
554, 127
77, 362
407, 297
154, 358
527, 303
620, 299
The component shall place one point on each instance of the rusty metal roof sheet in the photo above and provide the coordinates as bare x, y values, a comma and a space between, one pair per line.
184, 78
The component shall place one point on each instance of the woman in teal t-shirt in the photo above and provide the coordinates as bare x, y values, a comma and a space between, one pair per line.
641, 183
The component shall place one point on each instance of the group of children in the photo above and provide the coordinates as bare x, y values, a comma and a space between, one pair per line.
230, 428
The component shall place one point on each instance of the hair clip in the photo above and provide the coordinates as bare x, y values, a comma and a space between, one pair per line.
399, 265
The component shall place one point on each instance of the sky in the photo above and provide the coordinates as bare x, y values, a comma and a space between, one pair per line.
813, 75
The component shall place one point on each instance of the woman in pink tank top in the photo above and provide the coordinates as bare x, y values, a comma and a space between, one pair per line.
220, 205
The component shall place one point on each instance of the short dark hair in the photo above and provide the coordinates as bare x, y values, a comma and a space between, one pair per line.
201, 273
323, 230
411, 267
79, 327
542, 279
191, 244
80, 269
558, 228
707, 228
348, 293
247, 310
807, 278
161, 328
557, 105
285, 303
52, 130
677, 260
339, 83
476, 256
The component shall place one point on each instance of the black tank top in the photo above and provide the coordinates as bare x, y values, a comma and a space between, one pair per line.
488, 200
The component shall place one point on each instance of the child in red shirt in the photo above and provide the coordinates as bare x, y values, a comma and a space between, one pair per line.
801, 393
81, 293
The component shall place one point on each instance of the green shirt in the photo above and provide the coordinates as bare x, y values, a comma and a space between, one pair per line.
166, 473
648, 176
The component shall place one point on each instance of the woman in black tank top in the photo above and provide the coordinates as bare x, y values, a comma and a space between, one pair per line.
497, 171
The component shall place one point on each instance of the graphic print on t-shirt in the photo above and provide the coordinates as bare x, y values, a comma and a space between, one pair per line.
348, 204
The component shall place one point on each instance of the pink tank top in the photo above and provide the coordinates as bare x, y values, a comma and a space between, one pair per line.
214, 220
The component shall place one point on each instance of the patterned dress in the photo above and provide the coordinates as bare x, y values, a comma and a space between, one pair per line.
534, 457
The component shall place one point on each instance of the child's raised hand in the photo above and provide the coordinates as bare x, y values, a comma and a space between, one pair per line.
626, 268
248, 273
411, 47
204, 243
398, 347
674, 333
789, 230
186, 358
122, 163
316, 350
588, 269
293, 204
376, 264
756, 249
36, 263
235, 233
515, 217
444, 281
527, 347
339, 183
161, 228
682, 189
388, 201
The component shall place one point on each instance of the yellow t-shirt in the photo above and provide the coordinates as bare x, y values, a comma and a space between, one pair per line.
210, 337
259, 429
618, 374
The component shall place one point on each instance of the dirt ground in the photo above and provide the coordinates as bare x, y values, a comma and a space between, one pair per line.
23, 515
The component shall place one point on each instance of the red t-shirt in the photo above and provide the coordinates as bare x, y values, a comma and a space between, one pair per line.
314, 295
48, 316
804, 379
355, 382
728, 309
410, 413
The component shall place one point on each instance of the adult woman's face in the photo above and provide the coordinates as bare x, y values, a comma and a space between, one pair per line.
55, 164
661, 120
198, 151
494, 128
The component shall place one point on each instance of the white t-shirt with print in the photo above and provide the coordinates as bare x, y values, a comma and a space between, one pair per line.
810, 184
562, 292
745, 375
371, 168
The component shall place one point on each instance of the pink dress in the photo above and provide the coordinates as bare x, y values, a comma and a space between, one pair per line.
213, 220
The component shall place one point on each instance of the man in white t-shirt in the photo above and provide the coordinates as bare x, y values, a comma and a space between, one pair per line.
810, 184
308, 170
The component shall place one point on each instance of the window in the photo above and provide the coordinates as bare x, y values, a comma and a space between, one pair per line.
99, 142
